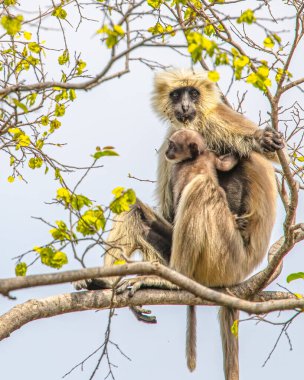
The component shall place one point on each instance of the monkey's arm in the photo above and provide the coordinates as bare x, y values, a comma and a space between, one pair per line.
237, 133
163, 191
157, 232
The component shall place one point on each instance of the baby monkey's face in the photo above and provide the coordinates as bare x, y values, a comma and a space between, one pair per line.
180, 150
177, 152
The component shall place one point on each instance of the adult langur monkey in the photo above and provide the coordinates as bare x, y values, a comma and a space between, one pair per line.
187, 99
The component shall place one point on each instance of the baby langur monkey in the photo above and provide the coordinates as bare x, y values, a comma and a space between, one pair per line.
188, 153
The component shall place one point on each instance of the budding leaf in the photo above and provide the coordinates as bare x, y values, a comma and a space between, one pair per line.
235, 328
295, 276
20, 269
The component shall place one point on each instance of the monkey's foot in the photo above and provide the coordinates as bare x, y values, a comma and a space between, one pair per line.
270, 140
143, 315
142, 282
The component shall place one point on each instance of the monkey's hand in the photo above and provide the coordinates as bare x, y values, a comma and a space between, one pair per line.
269, 140
142, 282
241, 222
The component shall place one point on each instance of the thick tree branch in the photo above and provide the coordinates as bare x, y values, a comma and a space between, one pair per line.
31, 310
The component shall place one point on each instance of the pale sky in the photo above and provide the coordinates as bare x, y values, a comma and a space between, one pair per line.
118, 113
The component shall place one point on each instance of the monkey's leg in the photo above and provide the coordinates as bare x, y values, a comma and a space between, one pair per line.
142, 229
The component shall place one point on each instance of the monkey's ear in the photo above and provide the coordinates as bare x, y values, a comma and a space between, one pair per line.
194, 151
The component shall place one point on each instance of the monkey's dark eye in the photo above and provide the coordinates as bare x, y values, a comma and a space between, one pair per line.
171, 145
194, 93
174, 95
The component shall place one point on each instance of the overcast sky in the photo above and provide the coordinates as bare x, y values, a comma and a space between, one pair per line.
118, 113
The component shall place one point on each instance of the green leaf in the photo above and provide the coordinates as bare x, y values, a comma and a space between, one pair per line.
12, 24
91, 222
104, 153
27, 35
9, 2
119, 262
31, 98
20, 269
235, 328
260, 79
44, 120
61, 233
64, 57
34, 47
247, 17
123, 200
209, 30
63, 195
59, 110
51, 257
301, 159
119, 30
214, 76
35, 162
79, 201
268, 42
55, 124
59, 12
72, 94
20, 105
197, 44
295, 276
155, 3
81, 65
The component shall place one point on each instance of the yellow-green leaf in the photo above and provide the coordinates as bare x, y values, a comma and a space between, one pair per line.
72, 94
247, 17
44, 120
119, 262
59, 110
20, 105
64, 57
59, 12
268, 42
12, 24
123, 200
81, 65
91, 222
214, 76
295, 276
119, 30
20, 269
11, 179
10, 2
34, 47
27, 35
154, 3
235, 328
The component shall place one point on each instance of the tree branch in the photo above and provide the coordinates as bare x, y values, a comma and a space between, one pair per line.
32, 310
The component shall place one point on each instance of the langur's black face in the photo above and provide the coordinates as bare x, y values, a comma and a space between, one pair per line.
184, 101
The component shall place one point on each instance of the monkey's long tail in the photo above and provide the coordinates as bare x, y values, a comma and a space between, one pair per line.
230, 343
191, 338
